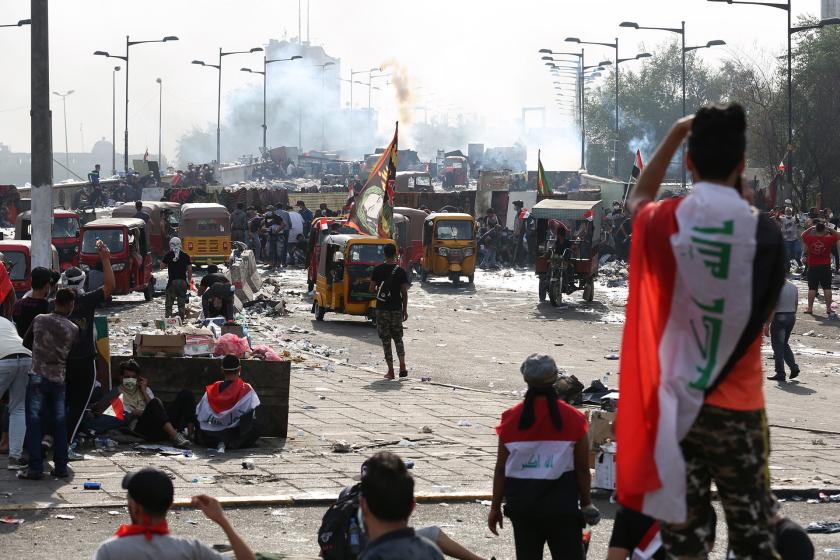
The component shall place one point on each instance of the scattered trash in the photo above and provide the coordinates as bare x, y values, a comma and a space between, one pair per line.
279, 513
406, 443
300, 433
611, 356
203, 480
808, 333
425, 379
818, 442
464, 424
65, 516
341, 446
114, 512
409, 464
322, 397
192, 522
221, 447
11, 521
92, 485
308, 407
426, 430
162, 449
826, 527
485, 502
248, 465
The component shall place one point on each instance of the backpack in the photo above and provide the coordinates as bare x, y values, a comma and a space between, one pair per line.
340, 537
383, 294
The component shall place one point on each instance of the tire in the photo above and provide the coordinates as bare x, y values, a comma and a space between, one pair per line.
310, 285
319, 312
456, 281
555, 292
471, 279
424, 276
589, 291
149, 292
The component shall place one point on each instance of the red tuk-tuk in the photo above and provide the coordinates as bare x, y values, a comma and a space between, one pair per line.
158, 224
131, 259
65, 234
411, 249
318, 232
17, 256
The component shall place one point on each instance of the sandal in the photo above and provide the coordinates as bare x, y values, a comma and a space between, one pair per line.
389, 375
29, 475
403, 373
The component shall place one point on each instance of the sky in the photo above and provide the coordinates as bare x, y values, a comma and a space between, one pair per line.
473, 56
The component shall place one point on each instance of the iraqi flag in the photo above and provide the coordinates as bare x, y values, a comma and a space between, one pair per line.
221, 409
705, 272
373, 209
638, 166
116, 408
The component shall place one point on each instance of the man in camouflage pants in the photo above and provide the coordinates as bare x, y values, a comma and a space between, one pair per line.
390, 283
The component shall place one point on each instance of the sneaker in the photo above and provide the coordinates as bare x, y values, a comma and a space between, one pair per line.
403, 373
73, 456
794, 374
17, 463
181, 442
29, 475
778, 377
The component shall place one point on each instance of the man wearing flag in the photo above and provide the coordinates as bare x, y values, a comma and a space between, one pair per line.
706, 271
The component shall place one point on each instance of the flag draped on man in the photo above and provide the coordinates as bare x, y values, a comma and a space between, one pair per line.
700, 291
543, 186
373, 210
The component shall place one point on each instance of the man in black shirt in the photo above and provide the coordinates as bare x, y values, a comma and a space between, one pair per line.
179, 266
34, 303
214, 289
140, 213
390, 283
81, 362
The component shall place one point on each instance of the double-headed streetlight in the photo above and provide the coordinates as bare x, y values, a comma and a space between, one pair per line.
128, 44
219, 96
790, 31
64, 97
323, 108
114, 120
264, 72
371, 77
369, 71
681, 32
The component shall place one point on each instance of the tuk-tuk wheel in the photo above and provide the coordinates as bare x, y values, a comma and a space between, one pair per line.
471, 278
149, 292
310, 285
424, 276
319, 312
589, 291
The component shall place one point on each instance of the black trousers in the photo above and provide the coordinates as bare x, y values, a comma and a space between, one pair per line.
81, 375
179, 413
242, 436
564, 537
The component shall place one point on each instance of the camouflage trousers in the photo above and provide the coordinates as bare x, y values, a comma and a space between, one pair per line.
389, 325
176, 290
731, 448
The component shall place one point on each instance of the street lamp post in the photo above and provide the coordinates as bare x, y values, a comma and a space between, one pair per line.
114, 120
370, 84
160, 125
323, 108
63, 97
580, 70
218, 67
353, 73
128, 44
264, 73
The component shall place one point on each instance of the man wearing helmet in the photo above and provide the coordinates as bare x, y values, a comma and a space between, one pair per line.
180, 273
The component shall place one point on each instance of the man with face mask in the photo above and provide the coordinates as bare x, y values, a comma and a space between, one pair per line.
178, 264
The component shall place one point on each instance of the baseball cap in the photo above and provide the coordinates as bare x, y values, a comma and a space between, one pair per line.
230, 362
539, 370
150, 488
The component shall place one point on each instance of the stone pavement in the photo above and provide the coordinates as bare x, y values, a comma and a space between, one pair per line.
453, 461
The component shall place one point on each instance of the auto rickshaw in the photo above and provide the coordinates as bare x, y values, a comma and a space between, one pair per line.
450, 247
205, 231
414, 181
344, 270
131, 259
411, 250
157, 228
319, 230
17, 256
65, 234
575, 266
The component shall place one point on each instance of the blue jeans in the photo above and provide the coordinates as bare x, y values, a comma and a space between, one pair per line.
780, 330
254, 243
45, 400
14, 378
277, 249
792, 252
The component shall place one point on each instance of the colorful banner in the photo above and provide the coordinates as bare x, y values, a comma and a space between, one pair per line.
543, 186
373, 210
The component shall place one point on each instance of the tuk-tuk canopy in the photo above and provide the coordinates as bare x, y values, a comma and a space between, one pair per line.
115, 242
449, 216
415, 220
197, 219
195, 210
548, 209
65, 224
17, 254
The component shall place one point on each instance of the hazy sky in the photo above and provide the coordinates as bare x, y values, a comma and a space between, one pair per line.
478, 56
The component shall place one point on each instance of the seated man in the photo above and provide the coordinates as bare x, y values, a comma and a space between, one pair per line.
387, 501
150, 495
227, 411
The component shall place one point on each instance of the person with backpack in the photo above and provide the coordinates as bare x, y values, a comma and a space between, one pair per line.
390, 283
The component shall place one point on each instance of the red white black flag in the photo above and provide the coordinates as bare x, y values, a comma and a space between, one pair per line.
638, 165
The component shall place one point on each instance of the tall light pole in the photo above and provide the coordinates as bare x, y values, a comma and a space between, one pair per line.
160, 125
219, 97
264, 73
323, 108
370, 84
683, 51
63, 97
128, 44
114, 120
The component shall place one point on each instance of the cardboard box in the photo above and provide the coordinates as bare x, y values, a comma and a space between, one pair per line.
159, 344
605, 468
601, 428
199, 345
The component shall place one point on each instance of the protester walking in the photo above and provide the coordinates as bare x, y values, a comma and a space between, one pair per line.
542, 470
51, 338
179, 267
705, 273
239, 223
389, 282
15, 363
819, 241
779, 327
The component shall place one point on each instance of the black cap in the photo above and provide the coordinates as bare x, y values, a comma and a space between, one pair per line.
150, 488
230, 362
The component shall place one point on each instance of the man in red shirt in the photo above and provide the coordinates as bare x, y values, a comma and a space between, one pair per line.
819, 242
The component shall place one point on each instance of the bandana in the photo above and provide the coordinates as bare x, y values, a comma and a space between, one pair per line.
148, 530
69, 279
175, 247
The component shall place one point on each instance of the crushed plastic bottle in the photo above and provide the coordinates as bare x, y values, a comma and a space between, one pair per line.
221, 447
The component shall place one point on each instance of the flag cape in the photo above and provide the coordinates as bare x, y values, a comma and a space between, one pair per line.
693, 311
219, 410
543, 186
373, 209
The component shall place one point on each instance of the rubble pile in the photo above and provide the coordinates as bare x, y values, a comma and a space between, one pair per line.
613, 274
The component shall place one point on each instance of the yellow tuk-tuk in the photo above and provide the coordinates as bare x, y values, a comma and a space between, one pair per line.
449, 247
344, 270
204, 230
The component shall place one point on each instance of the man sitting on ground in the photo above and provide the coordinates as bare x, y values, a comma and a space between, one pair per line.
227, 411
387, 502
150, 495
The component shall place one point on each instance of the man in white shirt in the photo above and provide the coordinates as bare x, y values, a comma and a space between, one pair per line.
15, 361
779, 328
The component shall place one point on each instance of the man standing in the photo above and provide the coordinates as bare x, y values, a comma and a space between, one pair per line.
282, 214
297, 228
140, 213
779, 327
227, 413
51, 338
819, 241
179, 266
789, 224
706, 271
254, 225
390, 283
150, 495
35, 303
307, 216
95, 196
15, 362
81, 363
520, 250
239, 223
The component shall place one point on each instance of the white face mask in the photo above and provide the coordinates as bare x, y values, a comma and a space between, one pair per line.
130, 382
